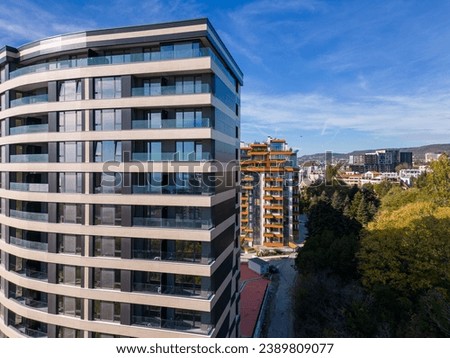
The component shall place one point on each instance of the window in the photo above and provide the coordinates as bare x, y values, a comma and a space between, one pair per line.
70, 213
70, 121
188, 150
69, 244
148, 151
106, 311
109, 183
70, 183
108, 150
65, 332
108, 215
189, 118
188, 84
192, 319
69, 90
107, 278
69, 275
108, 120
70, 152
108, 87
107, 246
69, 306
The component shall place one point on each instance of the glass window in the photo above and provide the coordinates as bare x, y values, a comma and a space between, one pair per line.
70, 183
70, 90
108, 215
107, 183
69, 306
70, 213
69, 244
108, 87
107, 246
70, 121
70, 152
107, 278
106, 311
108, 120
69, 275
108, 150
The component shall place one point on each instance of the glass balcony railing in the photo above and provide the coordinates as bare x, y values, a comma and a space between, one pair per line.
204, 224
30, 302
178, 325
28, 158
170, 123
29, 331
186, 290
185, 256
32, 273
172, 189
32, 128
112, 60
28, 215
34, 245
170, 90
28, 100
185, 157
36, 187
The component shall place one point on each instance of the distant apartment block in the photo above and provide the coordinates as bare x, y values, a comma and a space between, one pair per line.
382, 161
429, 157
269, 194
119, 206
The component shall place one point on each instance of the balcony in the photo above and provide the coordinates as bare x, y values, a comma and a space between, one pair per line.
32, 128
32, 273
26, 215
111, 60
204, 224
34, 187
33, 245
29, 100
170, 123
28, 158
172, 189
22, 328
185, 256
30, 302
177, 325
177, 156
169, 90
185, 290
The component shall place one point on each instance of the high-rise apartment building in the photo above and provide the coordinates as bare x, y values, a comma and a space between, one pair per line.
269, 194
119, 209
384, 161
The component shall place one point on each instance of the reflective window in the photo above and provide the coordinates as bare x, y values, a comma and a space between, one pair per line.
70, 152
108, 150
108, 120
108, 87
69, 90
70, 121
70, 183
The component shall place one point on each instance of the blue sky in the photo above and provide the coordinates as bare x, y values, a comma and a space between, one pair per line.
325, 75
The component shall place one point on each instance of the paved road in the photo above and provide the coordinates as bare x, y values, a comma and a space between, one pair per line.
279, 318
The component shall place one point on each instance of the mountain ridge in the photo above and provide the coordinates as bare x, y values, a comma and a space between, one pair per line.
418, 152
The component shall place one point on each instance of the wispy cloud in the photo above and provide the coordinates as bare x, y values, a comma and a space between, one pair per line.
407, 116
25, 20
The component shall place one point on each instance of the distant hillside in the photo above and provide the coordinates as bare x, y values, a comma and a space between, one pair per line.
418, 152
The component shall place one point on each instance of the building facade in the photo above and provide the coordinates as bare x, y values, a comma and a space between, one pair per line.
383, 161
269, 194
119, 176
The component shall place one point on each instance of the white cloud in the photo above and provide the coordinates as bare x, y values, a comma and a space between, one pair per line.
384, 116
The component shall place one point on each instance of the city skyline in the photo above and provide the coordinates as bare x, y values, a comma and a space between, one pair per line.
336, 76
